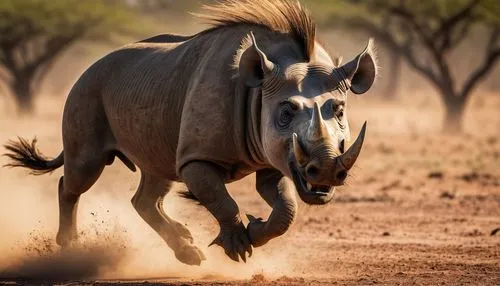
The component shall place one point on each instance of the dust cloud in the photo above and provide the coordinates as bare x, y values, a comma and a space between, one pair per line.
43, 260
114, 243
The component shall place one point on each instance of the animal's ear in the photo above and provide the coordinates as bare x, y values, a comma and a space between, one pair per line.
362, 70
254, 65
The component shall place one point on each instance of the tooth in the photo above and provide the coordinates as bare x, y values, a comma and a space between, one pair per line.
309, 186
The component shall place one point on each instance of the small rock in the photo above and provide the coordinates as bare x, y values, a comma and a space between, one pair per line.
258, 278
435, 175
392, 185
355, 218
285, 278
491, 140
385, 149
408, 187
474, 233
447, 195
469, 177
386, 233
495, 231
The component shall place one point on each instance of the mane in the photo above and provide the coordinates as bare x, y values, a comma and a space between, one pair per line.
278, 15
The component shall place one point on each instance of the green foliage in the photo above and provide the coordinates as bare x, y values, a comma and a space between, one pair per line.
22, 18
431, 12
33, 33
490, 10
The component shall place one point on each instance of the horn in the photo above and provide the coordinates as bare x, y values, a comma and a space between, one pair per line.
317, 129
300, 155
349, 157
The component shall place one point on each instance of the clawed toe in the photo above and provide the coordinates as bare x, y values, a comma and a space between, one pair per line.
235, 242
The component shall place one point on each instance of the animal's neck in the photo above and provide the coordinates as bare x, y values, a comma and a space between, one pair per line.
283, 53
282, 50
253, 138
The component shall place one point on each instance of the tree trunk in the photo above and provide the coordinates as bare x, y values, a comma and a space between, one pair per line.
391, 90
23, 93
455, 107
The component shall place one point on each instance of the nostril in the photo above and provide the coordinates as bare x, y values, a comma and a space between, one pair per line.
341, 175
312, 171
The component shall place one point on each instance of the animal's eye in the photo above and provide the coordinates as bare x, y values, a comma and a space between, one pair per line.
287, 112
338, 110
340, 114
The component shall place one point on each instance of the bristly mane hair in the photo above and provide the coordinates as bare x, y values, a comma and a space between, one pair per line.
278, 15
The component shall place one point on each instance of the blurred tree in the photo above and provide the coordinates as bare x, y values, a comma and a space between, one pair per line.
160, 6
34, 33
424, 33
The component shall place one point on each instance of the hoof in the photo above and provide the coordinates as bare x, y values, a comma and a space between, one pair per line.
66, 240
190, 255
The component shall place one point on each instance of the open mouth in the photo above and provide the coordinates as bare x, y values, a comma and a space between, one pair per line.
304, 187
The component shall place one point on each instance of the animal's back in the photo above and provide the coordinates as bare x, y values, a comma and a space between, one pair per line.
141, 90
149, 88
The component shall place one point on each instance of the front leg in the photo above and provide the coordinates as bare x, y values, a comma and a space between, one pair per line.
206, 182
279, 192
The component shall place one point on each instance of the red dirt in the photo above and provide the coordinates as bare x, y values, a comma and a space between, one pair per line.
419, 208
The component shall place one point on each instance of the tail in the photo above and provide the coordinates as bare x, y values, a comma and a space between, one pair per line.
25, 154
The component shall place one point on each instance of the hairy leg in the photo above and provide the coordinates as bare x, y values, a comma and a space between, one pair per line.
279, 193
148, 201
206, 182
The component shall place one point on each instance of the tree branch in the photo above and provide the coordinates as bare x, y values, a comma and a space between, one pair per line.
389, 40
446, 81
5, 75
408, 16
457, 37
53, 47
41, 72
409, 54
380, 34
447, 36
448, 24
492, 55
8, 60
10, 36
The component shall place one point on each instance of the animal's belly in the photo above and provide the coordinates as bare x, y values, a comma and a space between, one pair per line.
147, 135
153, 159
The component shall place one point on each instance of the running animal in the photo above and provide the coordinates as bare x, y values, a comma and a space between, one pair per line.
253, 93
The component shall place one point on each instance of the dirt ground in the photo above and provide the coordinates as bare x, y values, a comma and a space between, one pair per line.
419, 208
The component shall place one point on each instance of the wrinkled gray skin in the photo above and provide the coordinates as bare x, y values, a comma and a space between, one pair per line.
173, 106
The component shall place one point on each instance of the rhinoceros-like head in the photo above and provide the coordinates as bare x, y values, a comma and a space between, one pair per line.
304, 128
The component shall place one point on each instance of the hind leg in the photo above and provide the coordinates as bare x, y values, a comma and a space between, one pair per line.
77, 179
148, 201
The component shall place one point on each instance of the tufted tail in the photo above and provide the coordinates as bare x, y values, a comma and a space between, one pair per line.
25, 154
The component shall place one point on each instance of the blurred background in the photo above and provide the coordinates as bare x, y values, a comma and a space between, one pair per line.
425, 196
446, 50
